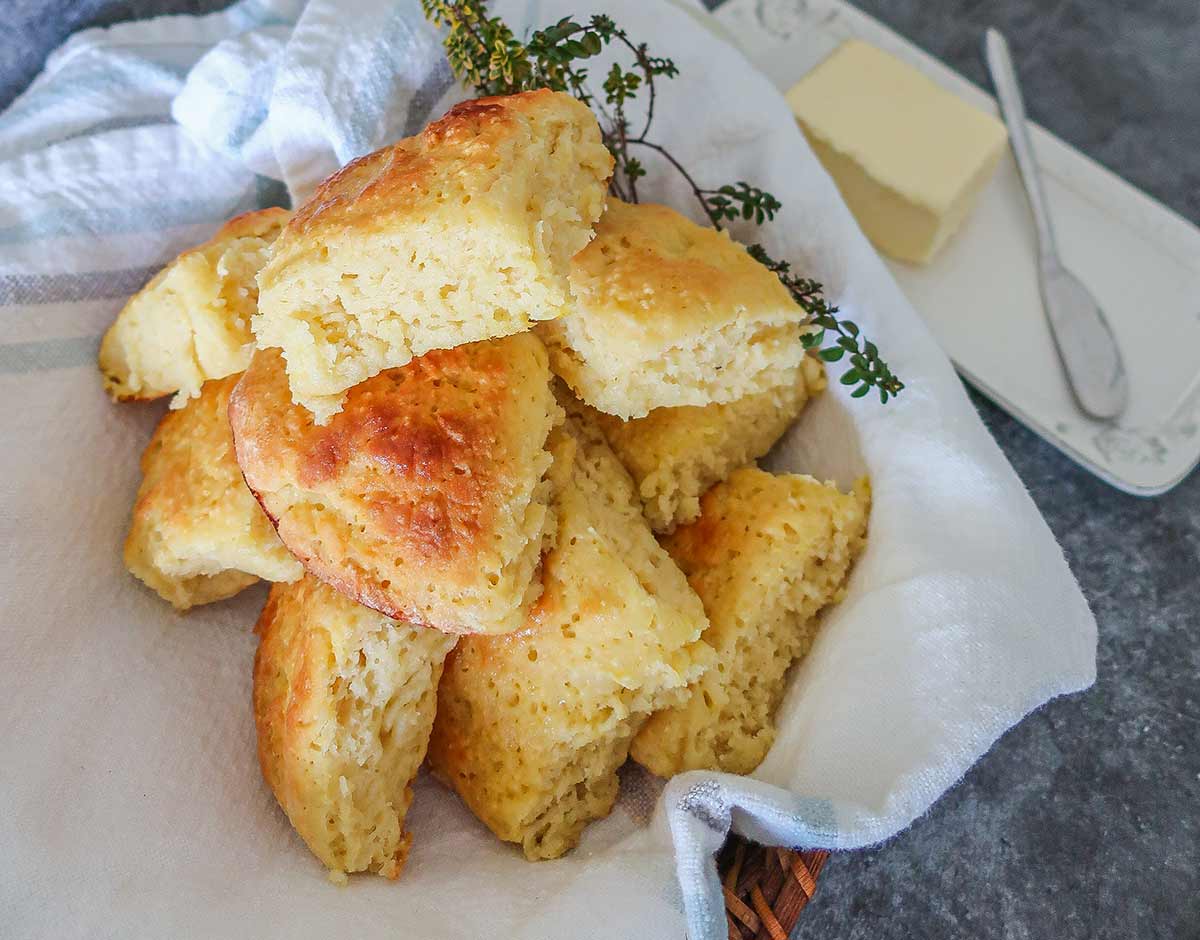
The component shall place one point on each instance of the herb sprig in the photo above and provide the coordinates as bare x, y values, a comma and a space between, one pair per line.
866, 368
484, 53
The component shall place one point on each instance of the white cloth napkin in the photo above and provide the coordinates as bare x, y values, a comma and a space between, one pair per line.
132, 801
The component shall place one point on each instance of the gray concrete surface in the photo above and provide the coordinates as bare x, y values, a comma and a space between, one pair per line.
1084, 821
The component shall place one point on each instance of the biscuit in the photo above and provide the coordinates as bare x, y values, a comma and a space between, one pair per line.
343, 702
461, 233
532, 727
675, 454
197, 534
765, 556
670, 313
424, 497
191, 323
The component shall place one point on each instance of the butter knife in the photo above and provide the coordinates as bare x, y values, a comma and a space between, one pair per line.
1085, 343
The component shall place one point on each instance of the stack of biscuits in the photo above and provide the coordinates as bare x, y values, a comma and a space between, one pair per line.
491, 434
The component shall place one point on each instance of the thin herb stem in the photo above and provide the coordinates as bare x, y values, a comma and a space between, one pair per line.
682, 170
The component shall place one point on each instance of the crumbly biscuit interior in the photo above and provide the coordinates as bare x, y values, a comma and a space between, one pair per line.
766, 556
467, 266
533, 726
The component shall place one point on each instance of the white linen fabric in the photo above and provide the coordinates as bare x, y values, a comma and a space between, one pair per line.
133, 803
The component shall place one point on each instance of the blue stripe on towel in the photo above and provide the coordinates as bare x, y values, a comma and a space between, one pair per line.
44, 355
420, 106
105, 78
65, 288
71, 221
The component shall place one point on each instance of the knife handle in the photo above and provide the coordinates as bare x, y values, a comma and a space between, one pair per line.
1012, 106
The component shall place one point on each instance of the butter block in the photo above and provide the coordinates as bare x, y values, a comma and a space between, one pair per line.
909, 157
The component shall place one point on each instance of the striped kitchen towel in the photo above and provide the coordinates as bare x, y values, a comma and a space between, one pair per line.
132, 805
100, 185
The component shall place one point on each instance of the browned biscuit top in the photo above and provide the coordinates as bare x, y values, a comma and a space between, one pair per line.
258, 223
423, 464
395, 180
421, 497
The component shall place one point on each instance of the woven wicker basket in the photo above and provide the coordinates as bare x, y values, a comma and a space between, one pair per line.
766, 888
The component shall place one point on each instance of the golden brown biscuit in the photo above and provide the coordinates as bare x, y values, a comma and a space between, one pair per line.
191, 323
669, 313
765, 556
461, 233
424, 498
676, 454
532, 726
197, 534
344, 701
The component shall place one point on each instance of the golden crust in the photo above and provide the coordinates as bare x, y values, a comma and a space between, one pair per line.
423, 498
767, 554
197, 535
669, 313
461, 233
532, 726
260, 223
701, 274
344, 700
675, 454
389, 185
191, 323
